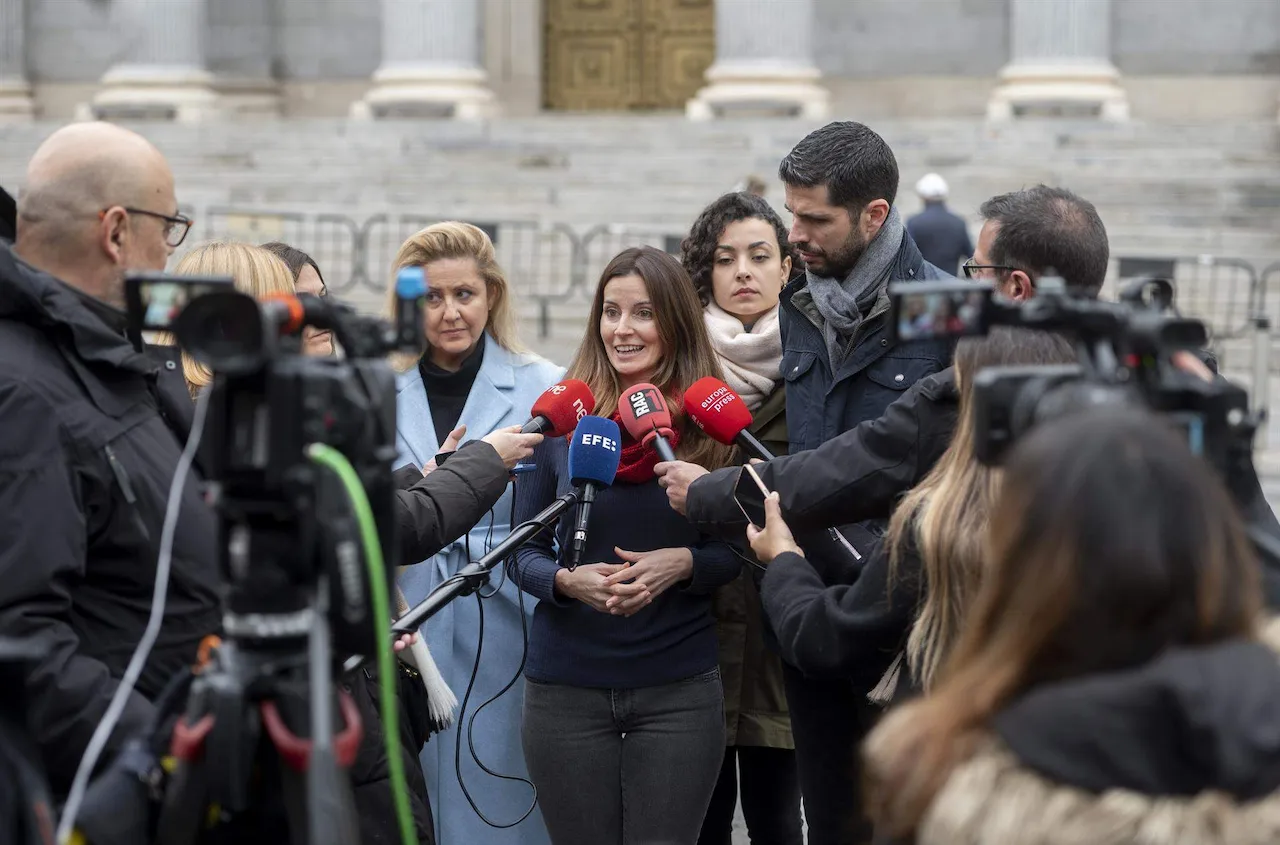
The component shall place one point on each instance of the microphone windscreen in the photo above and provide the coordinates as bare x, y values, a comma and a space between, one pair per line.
594, 451
564, 404
716, 409
644, 409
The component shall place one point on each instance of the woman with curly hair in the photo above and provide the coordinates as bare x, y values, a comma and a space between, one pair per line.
739, 259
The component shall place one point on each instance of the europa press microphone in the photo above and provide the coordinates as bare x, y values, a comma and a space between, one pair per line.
716, 409
721, 413
594, 453
647, 418
560, 407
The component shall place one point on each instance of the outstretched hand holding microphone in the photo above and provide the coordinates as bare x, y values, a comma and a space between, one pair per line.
722, 414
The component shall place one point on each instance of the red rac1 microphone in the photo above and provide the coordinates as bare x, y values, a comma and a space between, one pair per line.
646, 418
559, 409
722, 414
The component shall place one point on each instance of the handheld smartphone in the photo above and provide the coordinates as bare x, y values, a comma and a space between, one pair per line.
928, 310
750, 494
154, 300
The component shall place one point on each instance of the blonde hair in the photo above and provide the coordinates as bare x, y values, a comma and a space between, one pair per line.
453, 239
945, 515
254, 270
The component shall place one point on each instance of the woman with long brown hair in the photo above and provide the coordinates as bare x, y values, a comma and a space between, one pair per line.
1108, 685
623, 723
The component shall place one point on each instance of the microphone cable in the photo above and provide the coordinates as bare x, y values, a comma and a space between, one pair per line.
481, 597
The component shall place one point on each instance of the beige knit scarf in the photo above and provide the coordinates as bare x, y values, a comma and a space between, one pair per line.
751, 360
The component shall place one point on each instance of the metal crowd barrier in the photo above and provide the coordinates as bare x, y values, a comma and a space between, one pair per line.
548, 263
552, 264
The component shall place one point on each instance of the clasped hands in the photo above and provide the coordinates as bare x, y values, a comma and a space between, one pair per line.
622, 589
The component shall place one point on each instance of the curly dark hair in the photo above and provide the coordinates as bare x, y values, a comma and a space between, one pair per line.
697, 251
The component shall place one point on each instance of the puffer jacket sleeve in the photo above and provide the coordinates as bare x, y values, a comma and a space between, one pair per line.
442, 506
855, 476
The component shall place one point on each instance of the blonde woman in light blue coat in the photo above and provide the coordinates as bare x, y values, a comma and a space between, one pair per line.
472, 379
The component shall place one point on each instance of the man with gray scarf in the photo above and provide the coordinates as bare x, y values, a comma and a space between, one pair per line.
841, 368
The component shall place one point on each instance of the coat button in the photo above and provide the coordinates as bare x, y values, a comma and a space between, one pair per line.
169, 365
884, 341
795, 369
898, 377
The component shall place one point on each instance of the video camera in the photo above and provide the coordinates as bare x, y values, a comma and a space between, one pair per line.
1125, 358
266, 404
297, 452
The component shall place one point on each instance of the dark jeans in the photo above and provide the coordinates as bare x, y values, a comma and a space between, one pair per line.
624, 766
770, 798
829, 719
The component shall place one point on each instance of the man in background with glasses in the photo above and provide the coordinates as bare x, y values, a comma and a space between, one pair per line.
90, 445
1025, 233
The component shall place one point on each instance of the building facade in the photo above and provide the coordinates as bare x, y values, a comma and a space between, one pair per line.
193, 60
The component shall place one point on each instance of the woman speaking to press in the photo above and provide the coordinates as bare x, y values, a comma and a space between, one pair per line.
623, 723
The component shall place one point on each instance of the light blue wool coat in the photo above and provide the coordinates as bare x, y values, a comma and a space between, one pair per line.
504, 390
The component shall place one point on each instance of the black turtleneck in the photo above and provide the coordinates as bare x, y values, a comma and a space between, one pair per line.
447, 392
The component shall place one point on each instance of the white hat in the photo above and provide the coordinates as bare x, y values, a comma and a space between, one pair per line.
932, 187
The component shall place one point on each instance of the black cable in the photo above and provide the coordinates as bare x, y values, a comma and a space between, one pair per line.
746, 558
481, 596
488, 547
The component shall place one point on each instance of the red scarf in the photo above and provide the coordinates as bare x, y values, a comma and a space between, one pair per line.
637, 461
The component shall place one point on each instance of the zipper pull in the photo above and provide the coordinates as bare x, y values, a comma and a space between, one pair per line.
122, 477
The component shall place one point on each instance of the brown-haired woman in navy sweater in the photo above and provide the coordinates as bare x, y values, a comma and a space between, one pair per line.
624, 711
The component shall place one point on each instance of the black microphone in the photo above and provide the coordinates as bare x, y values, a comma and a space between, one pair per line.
593, 462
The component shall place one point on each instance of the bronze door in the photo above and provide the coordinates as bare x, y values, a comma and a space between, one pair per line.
612, 55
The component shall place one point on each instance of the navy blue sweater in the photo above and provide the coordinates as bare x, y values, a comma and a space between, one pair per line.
671, 639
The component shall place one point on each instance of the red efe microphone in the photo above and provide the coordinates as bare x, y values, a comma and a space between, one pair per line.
559, 408
722, 414
647, 418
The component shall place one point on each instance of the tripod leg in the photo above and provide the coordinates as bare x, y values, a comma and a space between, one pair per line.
186, 805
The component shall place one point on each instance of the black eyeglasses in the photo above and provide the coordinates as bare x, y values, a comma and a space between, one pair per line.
176, 226
972, 269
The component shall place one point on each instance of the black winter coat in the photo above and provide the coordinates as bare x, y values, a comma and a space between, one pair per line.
823, 403
824, 622
86, 461
858, 475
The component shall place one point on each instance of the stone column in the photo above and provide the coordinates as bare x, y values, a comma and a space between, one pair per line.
1060, 62
764, 62
15, 93
163, 74
430, 63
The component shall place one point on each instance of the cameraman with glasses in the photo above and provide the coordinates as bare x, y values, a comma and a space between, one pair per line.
91, 442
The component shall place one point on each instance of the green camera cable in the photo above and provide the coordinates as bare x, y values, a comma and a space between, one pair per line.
334, 460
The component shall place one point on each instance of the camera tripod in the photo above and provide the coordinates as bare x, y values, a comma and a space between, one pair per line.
257, 736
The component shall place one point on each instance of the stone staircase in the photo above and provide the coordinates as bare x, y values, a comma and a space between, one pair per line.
1163, 190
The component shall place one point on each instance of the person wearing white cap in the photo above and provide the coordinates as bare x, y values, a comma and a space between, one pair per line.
941, 235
